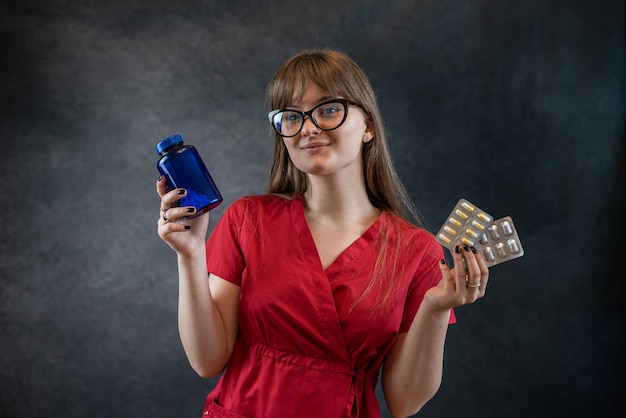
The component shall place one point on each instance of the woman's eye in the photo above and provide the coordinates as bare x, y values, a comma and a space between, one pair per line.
330, 110
292, 117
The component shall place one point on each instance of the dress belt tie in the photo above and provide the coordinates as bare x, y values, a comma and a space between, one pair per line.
357, 372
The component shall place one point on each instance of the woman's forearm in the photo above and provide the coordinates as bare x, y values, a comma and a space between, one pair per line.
201, 326
413, 369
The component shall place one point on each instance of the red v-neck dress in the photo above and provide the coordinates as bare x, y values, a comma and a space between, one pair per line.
301, 350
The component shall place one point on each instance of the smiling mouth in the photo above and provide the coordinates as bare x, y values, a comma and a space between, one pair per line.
313, 147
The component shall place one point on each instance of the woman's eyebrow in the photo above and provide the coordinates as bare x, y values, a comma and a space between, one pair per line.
318, 101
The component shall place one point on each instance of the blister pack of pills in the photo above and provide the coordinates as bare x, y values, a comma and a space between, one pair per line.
497, 240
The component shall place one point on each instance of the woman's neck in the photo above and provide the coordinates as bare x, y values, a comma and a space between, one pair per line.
330, 197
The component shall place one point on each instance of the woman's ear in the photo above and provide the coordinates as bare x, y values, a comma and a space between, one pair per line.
368, 135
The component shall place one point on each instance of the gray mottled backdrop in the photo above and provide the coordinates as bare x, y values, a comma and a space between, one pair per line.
517, 106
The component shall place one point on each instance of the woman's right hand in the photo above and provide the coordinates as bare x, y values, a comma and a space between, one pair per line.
184, 235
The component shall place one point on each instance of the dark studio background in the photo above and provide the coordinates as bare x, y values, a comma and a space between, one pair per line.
517, 106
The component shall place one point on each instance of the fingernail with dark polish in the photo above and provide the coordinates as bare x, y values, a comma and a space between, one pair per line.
466, 248
473, 250
181, 191
187, 227
160, 177
189, 210
442, 261
457, 249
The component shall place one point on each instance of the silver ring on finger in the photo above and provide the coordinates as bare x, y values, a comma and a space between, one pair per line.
473, 286
163, 216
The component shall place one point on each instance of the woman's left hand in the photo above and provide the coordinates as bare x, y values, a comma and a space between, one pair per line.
463, 284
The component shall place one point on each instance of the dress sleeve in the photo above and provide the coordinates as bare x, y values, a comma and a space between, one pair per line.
224, 255
426, 276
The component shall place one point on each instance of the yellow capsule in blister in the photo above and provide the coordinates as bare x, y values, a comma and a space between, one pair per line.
467, 207
444, 238
467, 241
471, 233
460, 214
455, 222
483, 217
449, 230
478, 225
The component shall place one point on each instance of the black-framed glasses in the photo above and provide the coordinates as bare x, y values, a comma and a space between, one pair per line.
327, 116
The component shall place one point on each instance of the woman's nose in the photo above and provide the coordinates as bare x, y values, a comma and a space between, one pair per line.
309, 128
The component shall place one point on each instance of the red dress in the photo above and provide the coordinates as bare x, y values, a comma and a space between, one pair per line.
301, 352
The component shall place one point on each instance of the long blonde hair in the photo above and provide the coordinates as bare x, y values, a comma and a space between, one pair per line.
338, 75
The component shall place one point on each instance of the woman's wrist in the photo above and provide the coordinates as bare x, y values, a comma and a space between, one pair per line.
192, 258
433, 309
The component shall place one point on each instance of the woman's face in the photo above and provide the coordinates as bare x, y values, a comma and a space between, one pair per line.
336, 152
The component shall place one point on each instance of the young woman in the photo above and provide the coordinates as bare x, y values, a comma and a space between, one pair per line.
302, 295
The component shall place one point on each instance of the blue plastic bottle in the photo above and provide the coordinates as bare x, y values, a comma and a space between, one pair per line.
182, 167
